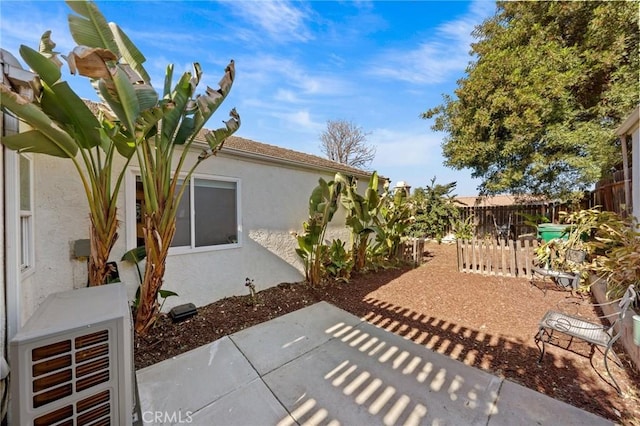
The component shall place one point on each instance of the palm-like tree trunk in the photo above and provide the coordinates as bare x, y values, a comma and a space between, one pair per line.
157, 243
102, 239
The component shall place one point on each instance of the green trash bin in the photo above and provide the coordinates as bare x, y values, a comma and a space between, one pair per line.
550, 231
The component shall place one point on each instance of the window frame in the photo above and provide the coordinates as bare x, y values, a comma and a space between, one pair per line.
131, 213
27, 257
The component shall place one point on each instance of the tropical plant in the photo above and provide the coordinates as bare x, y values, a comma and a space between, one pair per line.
63, 125
323, 204
137, 123
393, 218
616, 246
464, 229
136, 256
361, 215
436, 210
338, 262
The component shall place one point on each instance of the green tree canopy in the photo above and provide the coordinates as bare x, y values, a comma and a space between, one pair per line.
435, 210
549, 83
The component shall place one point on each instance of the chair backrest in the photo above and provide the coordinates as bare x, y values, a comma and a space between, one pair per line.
626, 300
575, 256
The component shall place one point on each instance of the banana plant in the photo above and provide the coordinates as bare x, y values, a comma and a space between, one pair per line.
323, 204
62, 125
134, 121
171, 125
361, 216
392, 221
163, 182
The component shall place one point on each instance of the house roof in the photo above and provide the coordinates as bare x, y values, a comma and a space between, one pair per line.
242, 147
249, 148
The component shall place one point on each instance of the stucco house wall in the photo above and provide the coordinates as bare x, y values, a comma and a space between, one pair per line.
274, 194
631, 127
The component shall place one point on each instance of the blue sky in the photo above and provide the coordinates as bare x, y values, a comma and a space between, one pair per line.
299, 64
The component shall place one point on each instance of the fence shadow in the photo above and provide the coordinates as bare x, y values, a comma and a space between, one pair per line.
558, 376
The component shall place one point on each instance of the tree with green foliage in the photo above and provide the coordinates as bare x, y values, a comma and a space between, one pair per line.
435, 210
549, 83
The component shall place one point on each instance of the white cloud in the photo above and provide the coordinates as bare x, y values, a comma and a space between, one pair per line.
280, 20
434, 61
299, 120
394, 148
284, 95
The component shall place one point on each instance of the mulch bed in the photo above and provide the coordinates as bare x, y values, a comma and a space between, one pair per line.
484, 321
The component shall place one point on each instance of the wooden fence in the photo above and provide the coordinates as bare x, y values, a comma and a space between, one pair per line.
609, 193
491, 220
412, 250
512, 258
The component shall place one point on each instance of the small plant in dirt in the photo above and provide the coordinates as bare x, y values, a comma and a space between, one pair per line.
136, 256
339, 262
464, 229
253, 296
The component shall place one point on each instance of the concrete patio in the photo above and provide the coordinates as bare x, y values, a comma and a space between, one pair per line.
322, 365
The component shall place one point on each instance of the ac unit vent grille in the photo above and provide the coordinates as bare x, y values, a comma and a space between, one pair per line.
94, 410
55, 416
53, 377
73, 361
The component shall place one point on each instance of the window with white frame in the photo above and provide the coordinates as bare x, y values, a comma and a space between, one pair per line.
207, 216
25, 172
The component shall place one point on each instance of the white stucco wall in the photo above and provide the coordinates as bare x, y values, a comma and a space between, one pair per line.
274, 203
631, 126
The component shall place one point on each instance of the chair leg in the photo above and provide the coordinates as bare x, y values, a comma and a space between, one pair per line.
539, 338
606, 366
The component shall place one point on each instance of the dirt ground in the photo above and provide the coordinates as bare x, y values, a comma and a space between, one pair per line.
485, 322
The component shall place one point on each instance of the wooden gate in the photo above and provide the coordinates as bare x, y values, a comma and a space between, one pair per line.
512, 258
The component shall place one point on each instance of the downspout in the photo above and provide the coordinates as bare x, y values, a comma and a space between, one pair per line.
625, 170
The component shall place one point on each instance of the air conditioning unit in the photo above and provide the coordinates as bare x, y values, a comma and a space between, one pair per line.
72, 362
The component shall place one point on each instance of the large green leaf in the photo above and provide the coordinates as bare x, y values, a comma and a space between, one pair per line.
180, 96
90, 28
120, 94
130, 52
62, 103
55, 141
135, 255
147, 96
34, 141
48, 71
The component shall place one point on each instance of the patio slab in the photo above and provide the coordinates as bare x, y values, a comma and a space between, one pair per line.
382, 379
191, 381
322, 365
517, 402
274, 343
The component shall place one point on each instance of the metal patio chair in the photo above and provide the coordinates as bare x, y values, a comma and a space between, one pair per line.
564, 279
595, 334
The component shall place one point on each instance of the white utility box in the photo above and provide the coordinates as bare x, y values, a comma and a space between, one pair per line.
72, 362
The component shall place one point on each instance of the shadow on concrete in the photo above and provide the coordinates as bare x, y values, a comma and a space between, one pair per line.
558, 376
